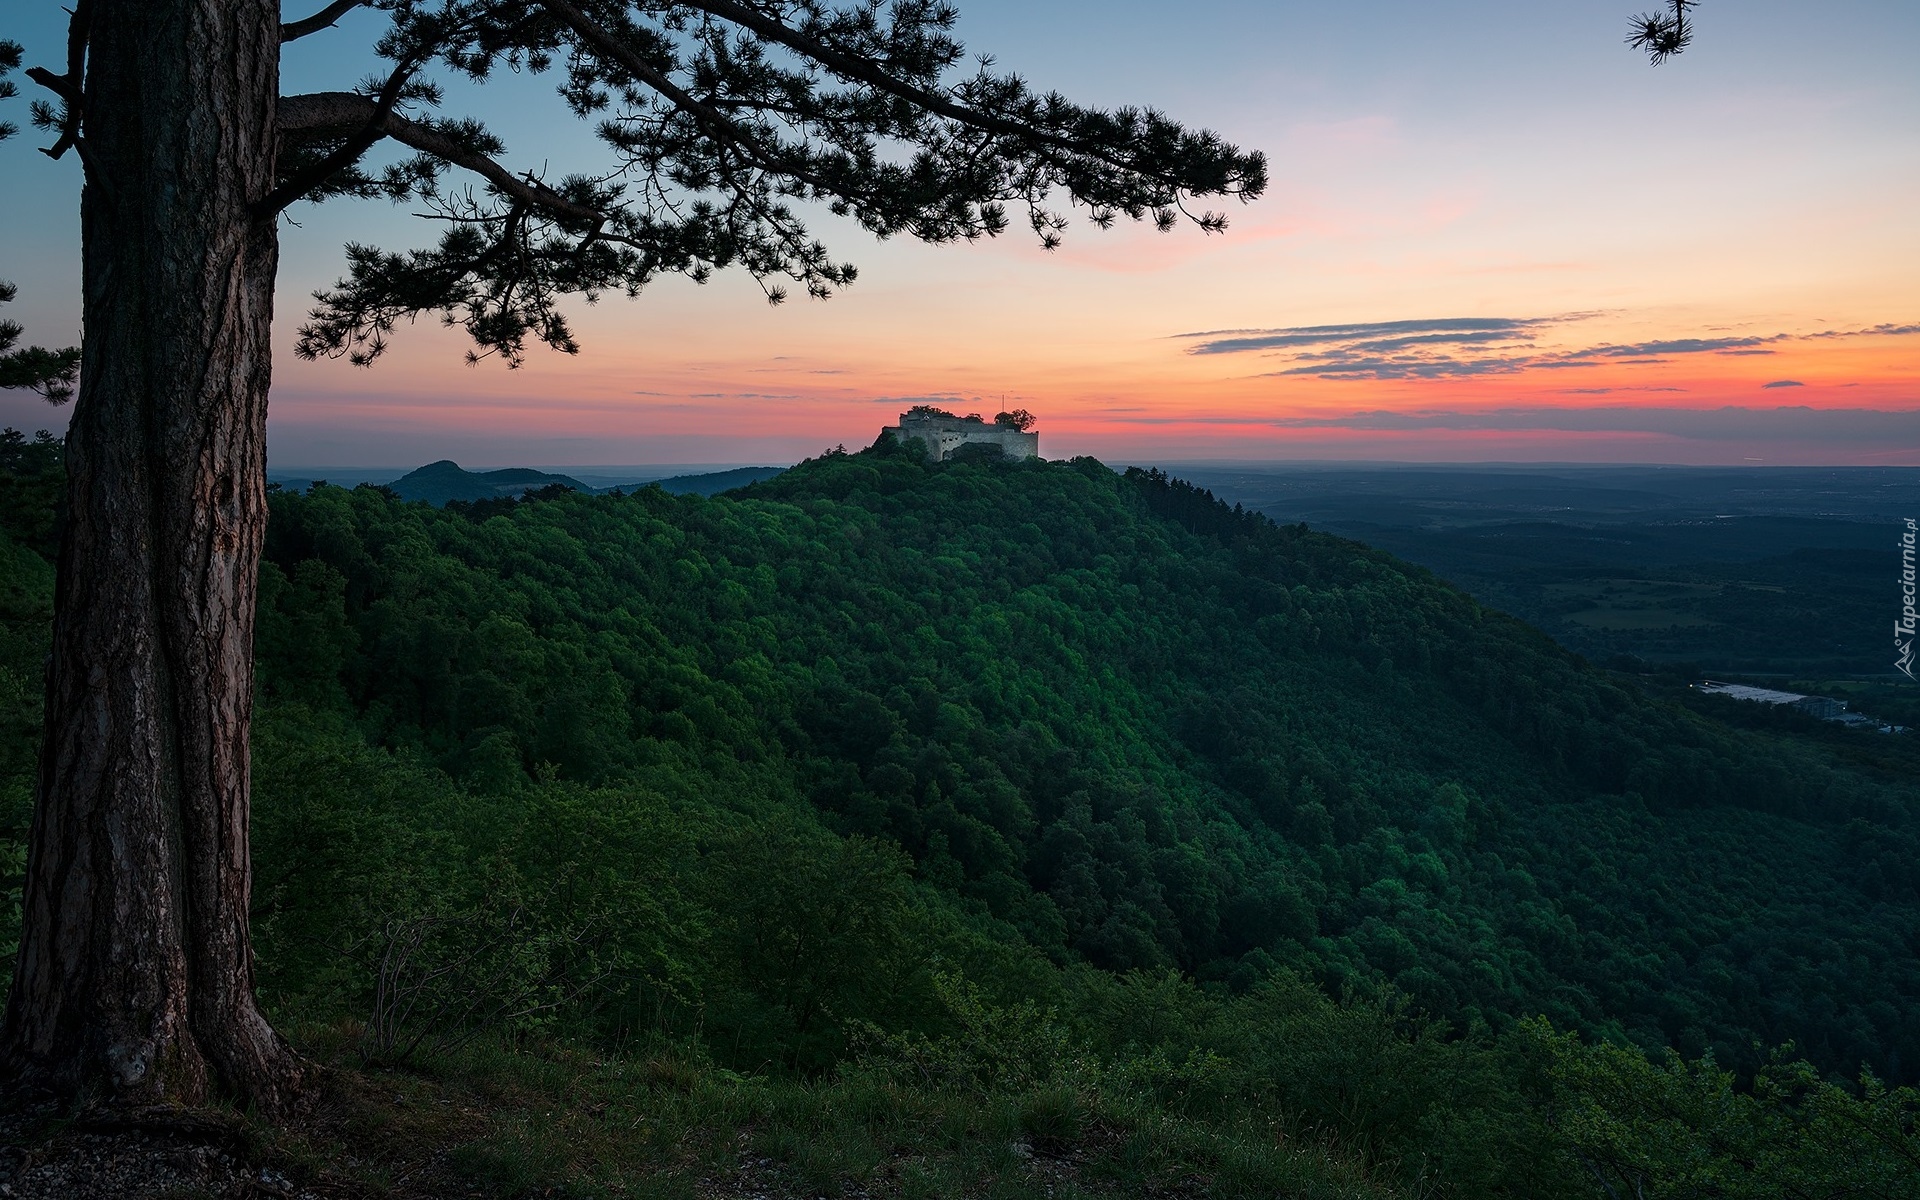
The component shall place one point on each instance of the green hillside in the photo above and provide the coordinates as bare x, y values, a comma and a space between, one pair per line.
1144, 731
1051, 808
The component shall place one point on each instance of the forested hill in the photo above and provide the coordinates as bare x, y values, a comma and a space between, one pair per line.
1136, 728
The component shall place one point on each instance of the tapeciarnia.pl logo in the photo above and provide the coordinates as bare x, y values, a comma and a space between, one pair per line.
1903, 628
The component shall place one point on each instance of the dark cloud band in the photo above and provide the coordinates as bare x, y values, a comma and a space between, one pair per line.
1828, 428
1463, 347
1443, 329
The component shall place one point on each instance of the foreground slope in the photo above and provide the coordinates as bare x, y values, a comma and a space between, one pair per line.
1141, 730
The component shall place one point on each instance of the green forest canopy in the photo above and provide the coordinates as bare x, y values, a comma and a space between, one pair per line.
828, 764
1142, 730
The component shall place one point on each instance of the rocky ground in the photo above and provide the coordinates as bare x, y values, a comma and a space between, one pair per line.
103, 1163
151, 1155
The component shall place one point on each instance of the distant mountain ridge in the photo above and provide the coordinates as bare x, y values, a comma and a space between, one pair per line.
715, 482
439, 482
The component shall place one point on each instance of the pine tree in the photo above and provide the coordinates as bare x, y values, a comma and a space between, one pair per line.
717, 117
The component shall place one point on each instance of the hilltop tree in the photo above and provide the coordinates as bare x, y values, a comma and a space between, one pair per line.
135, 975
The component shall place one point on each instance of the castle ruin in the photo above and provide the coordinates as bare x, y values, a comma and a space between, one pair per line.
943, 433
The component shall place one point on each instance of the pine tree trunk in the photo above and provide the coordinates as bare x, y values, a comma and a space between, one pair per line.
135, 978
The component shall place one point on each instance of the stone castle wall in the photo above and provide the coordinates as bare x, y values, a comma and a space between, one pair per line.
943, 435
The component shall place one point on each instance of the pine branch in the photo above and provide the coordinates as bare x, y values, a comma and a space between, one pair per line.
1251, 180
370, 119
1662, 35
68, 86
324, 19
720, 114
716, 123
51, 373
848, 67
360, 136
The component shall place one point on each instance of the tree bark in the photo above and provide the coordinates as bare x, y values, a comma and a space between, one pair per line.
135, 978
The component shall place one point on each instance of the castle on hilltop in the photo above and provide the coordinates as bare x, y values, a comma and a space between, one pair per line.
943, 433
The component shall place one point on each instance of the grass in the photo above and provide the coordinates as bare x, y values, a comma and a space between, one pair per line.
495, 1122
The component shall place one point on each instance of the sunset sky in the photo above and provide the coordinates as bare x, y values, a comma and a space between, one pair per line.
1493, 233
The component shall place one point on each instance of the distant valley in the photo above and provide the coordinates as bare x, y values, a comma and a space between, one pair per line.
1768, 571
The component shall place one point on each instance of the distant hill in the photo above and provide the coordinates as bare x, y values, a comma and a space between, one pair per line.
718, 481
439, 482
